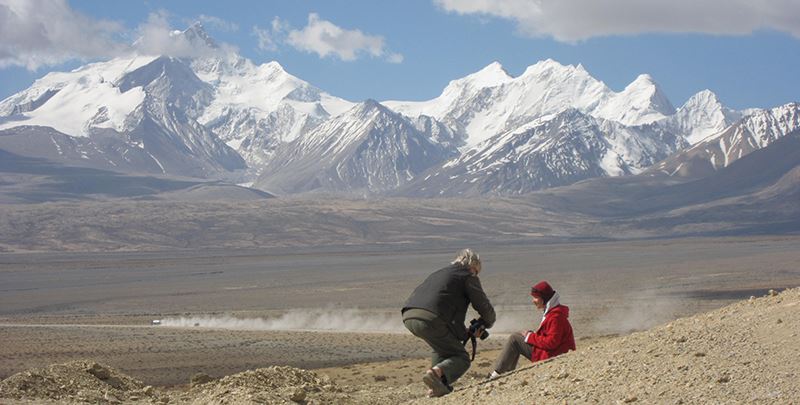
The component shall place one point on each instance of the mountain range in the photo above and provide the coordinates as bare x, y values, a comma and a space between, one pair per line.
222, 117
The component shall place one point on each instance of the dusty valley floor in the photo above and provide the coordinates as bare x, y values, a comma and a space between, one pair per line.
336, 314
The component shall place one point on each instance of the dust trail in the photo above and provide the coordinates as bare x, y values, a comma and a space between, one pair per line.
638, 312
339, 320
330, 319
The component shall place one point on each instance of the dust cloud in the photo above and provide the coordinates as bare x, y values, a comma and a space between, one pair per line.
327, 319
342, 320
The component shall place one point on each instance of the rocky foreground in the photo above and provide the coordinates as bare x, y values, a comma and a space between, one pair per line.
747, 352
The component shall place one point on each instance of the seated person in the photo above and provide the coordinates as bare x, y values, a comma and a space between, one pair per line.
551, 338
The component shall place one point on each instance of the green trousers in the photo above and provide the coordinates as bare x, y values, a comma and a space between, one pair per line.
448, 352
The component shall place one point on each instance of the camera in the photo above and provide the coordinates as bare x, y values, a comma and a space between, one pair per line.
477, 328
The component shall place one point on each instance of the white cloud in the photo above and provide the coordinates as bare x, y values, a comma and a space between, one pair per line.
265, 41
395, 58
581, 19
156, 37
35, 33
327, 39
268, 39
218, 23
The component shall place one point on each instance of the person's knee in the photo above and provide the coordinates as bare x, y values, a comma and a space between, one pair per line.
515, 338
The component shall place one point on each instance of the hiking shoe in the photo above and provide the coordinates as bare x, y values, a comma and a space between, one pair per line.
437, 386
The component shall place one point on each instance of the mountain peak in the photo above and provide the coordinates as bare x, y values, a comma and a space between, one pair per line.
552, 71
492, 75
494, 68
547, 65
367, 107
703, 98
644, 85
196, 34
275, 65
644, 91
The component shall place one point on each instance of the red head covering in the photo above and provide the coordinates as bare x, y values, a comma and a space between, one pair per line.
542, 289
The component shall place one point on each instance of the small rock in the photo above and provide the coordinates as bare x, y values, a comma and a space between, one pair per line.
630, 399
772, 293
723, 379
99, 371
699, 354
199, 379
523, 383
681, 339
298, 395
133, 398
562, 375
752, 298
111, 398
148, 390
780, 320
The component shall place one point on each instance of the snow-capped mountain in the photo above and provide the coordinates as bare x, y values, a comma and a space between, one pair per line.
367, 150
641, 102
553, 150
68, 101
217, 113
702, 115
753, 132
256, 108
164, 123
490, 102
190, 104
144, 102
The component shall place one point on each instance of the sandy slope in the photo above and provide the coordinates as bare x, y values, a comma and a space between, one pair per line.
747, 352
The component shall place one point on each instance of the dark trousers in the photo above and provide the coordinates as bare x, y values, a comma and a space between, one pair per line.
514, 347
448, 352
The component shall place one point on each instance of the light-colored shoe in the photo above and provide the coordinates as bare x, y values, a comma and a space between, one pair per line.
435, 383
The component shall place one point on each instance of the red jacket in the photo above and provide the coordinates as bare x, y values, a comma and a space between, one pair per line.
554, 336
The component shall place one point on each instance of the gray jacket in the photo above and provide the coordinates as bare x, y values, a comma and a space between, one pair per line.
447, 292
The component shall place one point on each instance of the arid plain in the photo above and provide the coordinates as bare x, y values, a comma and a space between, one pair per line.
225, 312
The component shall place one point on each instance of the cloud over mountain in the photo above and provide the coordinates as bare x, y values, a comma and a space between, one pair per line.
35, 33
570, 21
325, 39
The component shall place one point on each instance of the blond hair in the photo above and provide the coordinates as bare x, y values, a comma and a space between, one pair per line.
469, 258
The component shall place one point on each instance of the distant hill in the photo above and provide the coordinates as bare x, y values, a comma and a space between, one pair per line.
34, 180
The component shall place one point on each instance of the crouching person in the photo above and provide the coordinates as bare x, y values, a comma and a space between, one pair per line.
435, 312
552, 337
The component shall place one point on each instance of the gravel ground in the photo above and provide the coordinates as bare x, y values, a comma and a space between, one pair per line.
747, 352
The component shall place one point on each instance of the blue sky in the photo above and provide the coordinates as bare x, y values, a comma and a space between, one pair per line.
747, 52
